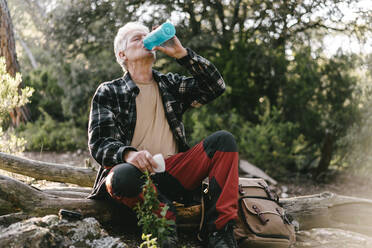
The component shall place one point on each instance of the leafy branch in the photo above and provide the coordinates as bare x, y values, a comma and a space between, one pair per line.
148, 213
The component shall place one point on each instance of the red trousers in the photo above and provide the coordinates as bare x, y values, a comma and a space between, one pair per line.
216, 157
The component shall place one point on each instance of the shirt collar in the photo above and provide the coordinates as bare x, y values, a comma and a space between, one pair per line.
130, 84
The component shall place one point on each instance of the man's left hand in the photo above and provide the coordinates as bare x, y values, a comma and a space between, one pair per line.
172, 48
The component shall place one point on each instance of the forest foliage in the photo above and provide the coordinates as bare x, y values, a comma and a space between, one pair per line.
290, 105
11, 98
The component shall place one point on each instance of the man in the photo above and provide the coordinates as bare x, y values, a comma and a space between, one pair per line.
139, 115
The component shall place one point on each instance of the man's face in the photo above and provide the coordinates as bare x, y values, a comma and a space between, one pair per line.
135, 49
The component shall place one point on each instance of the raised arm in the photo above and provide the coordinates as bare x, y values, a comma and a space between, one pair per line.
205, 84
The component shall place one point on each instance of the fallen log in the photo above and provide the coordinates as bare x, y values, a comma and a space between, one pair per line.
85, 176
331, 238
47, 171
329, 210
22, 198
326, 210
247, 169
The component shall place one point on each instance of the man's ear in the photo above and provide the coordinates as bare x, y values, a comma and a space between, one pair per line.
122, 55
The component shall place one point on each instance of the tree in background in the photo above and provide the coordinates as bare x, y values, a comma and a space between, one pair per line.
287, 104
7, 50
358, 142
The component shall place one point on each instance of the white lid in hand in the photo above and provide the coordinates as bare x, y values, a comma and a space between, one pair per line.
160, 161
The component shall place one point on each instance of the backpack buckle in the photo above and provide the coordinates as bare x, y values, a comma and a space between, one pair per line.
259, 215
272, 195
241, 191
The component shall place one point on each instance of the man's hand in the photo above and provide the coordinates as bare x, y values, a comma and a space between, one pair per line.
142, 160
173, 48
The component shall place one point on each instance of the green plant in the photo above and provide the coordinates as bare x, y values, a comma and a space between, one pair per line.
48, 94
48, 134
158, 226
11, 98
148, 241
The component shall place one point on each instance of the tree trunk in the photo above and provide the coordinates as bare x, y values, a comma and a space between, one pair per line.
7, 50
326, 210
326, 156
85, 176
27, 201
47, 171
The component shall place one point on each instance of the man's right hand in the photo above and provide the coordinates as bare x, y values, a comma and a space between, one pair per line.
142, 160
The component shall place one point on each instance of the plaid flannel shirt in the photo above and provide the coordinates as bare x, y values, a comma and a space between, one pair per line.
112, 117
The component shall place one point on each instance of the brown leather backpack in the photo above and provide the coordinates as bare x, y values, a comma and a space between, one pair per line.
262, 222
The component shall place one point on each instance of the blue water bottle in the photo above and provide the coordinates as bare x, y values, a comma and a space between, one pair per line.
160, 35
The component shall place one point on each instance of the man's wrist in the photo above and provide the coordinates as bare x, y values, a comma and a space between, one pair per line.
182, 54
126, 154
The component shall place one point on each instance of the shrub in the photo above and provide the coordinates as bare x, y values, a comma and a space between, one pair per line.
10, 98
49, 135
274, 145
151, 223
48, 95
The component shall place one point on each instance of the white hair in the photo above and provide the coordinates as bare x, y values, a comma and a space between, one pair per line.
121, 39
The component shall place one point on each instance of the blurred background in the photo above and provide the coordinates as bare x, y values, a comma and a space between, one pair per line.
298, 75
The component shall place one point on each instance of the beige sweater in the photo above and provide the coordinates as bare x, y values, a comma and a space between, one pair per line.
152, 131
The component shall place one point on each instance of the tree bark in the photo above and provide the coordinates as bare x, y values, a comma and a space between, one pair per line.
85, 176
7, 50
325, 210
328, 210
47, 171
327, 151
21, 198
7, 47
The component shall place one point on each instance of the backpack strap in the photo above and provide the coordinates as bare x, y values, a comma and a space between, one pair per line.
202, 232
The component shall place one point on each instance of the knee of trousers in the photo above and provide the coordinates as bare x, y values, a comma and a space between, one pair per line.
125, 180
222, 141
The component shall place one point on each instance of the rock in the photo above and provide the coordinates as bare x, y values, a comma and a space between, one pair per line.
284, 188
50, 231
284, 195
331, 238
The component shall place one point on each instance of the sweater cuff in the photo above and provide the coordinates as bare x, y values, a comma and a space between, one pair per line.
122, 151
186, 60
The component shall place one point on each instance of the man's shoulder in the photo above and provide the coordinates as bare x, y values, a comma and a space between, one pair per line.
117, 85
118, 82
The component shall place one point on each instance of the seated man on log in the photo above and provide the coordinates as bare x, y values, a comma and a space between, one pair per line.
140, 114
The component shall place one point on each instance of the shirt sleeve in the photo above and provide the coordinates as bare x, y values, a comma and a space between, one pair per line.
103, 136
206, 82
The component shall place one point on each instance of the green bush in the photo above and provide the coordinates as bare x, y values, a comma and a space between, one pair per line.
158, 226
48, 95
356, 152
10, 98
49, 135
274, 145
